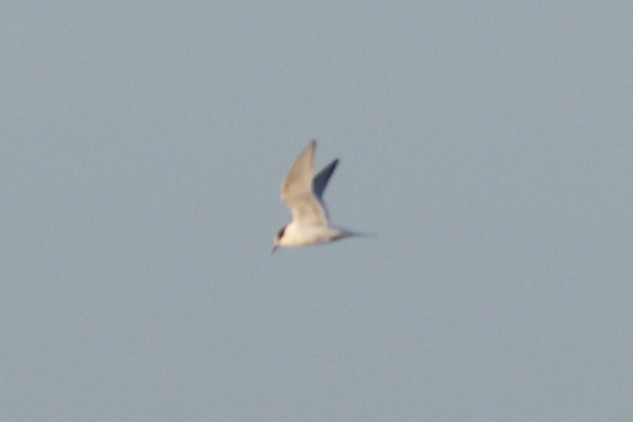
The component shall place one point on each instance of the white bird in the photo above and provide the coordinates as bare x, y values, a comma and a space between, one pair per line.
303, 195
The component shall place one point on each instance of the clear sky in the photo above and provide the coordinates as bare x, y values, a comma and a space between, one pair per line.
485, 145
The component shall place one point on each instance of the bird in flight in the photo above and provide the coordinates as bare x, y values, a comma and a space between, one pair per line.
304, 196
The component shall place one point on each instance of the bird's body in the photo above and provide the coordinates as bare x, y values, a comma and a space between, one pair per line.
303, 195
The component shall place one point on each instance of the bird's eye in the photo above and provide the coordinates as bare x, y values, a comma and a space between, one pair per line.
281, 233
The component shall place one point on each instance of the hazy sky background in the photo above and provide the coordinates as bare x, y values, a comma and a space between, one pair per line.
486, 145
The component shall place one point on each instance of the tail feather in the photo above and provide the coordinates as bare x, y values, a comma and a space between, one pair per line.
343, 233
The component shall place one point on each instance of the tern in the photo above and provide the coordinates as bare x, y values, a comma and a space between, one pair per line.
304, 196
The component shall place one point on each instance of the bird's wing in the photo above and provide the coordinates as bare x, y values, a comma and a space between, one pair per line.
320, 180
297, 192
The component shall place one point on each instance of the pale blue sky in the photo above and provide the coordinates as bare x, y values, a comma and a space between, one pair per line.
486, 145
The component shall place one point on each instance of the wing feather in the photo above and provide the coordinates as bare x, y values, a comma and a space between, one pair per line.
301, 193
